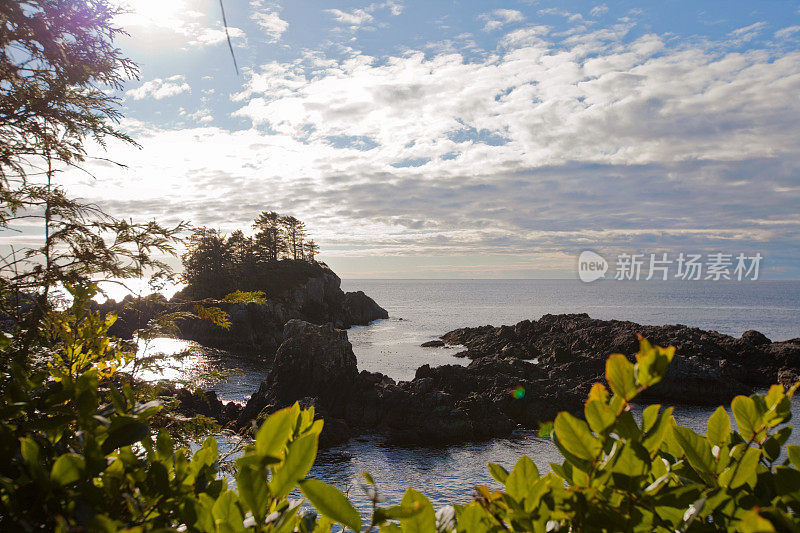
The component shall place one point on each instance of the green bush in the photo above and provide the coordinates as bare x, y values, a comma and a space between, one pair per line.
79, 455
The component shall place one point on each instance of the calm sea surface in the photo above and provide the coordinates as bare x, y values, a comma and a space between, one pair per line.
422, 310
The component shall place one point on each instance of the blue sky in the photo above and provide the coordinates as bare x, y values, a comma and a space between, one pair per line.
470, 139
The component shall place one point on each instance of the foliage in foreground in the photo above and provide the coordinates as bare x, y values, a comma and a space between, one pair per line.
79, 455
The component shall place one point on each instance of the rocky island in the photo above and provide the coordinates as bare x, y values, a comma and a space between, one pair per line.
553, 361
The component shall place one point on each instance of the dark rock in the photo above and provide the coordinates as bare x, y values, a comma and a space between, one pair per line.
313, 362
206, 403
360, 309
755, 338
788, 377
433, 344
709, 368
335, 431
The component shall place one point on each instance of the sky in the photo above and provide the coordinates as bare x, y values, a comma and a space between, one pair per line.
457, 139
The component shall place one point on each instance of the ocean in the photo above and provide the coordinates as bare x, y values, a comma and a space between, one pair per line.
422, 310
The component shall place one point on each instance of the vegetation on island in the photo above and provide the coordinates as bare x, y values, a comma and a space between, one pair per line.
277, 257
85, 449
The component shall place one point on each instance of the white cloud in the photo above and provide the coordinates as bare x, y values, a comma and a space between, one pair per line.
268, 19
188, 23
500, 17
359, 18
159, 88
748, 33
395, 8
599, 10
787, 32
354, 18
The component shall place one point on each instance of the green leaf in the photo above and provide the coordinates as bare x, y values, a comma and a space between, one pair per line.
86, 393
740, 471
620, 377
576, 438
29, 450
719, 427
652, 363
787, 483
423, 521
696, 448
545, 430
157, 480
124, 431
299, 460
472, 517
215, 315
227, 513
5, 340
632, 459
522, 478
499, 473
395, 512
794, 455
658, 430
748, 418
258, 297
274, 433
650, 416
599, 415
752, 522
67, 469
253, 489
330, 502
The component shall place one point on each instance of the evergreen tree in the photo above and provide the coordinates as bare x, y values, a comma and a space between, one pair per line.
243, 254
57, 60
208, 263
270, 238
294, 230
310, 251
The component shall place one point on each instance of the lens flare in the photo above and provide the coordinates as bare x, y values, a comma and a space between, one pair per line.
518, 392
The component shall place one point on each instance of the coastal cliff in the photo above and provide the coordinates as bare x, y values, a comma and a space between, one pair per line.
255, 327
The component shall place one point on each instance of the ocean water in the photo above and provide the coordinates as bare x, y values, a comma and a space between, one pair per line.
429, 308
422, 310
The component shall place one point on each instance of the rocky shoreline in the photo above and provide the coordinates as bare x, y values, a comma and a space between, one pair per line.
519, 376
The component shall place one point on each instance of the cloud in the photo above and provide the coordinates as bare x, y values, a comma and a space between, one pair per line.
159, 88
268, 19
187, 23
599, 10
785, 33
202, 116
608, 139
500, 17
354, 18
359, 18
748, 33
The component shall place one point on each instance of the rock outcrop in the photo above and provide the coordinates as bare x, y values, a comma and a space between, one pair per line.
315, 365
255, 327
360, 309
709, 367
520, 376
